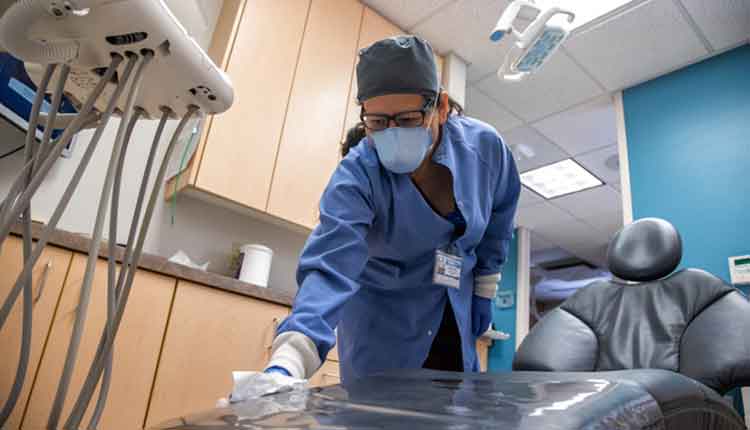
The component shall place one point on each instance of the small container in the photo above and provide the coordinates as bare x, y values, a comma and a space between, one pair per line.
255, 264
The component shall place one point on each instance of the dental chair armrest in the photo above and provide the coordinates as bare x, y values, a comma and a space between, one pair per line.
559, 342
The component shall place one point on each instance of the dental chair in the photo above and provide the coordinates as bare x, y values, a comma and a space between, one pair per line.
688, 322
655, 351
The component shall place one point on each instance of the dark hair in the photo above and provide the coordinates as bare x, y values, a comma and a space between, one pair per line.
358, 132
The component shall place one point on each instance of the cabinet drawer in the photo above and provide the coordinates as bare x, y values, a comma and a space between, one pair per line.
210, 334
328, 374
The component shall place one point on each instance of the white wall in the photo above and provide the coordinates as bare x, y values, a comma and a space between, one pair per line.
204, 231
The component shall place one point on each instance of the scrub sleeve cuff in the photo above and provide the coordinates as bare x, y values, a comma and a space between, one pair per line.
296, 353
486, 286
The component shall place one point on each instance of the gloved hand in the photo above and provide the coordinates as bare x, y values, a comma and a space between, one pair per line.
250, 385
277, 369
481, 315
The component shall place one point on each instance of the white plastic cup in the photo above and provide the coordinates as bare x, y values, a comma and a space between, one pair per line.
255, 265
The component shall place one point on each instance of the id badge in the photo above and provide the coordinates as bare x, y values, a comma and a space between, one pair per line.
447, 269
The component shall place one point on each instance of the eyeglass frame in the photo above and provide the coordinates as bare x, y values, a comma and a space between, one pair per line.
429, 104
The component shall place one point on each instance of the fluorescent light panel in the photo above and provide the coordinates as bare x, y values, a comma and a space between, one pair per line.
557, 179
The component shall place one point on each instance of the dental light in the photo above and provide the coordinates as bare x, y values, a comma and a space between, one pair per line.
533, 46
129, 58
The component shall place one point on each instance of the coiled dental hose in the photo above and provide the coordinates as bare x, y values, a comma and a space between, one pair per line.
39, 161
73, 128
112, 268
93, 251
27, 320
106, 341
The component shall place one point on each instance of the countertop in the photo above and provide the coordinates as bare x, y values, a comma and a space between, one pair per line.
154, 263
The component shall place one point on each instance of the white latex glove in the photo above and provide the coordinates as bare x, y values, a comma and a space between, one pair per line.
252, 385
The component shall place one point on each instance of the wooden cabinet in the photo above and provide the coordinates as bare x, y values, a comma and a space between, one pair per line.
374, 28
328, 374
210, 334
292, 64
241, 144
49, 276
137, 348
309, 148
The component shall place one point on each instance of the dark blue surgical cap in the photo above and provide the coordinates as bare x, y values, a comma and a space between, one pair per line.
397, 65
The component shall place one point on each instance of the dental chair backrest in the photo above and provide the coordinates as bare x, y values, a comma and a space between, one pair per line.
690, 321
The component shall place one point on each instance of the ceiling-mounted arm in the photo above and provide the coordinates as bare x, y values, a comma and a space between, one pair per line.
505, 22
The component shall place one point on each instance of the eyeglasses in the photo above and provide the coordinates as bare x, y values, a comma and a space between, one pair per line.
407, 119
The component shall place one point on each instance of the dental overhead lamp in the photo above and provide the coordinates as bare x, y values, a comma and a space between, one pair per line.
129, 58
534, 46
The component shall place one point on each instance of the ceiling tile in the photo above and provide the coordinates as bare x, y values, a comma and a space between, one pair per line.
608, 223
590, 203
539, 243
464, 27
637, 45
559, 85
406, 13
528, 198
545, 152
482, 107
583, 128
571, 232
725, 23
541, 215
594, 253
596, 163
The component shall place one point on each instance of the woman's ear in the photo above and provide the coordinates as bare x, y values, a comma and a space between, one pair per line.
443, 107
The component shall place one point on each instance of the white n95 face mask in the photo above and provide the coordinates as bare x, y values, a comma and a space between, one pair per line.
402, 149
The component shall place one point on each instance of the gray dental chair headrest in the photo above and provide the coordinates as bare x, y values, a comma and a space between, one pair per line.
646, 250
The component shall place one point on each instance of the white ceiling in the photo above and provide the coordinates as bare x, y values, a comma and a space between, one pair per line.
566, 109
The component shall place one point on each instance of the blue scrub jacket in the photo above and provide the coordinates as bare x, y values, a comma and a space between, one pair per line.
367, 267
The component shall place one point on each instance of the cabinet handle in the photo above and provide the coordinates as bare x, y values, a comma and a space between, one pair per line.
43, 281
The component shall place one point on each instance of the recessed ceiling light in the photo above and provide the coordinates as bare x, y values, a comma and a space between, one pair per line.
585, 10
557, 179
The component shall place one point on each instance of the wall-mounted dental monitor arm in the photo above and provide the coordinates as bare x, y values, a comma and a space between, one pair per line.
536, 44
85, 33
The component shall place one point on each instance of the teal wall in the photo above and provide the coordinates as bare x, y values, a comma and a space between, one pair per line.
501, 352
689, 151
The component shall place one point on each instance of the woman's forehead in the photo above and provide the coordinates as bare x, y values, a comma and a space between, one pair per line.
393, 103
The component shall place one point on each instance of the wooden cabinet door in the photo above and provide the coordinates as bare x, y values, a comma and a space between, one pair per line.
241, 147
328, 374
312, 133
374, 28
55, 262
211, 333
136, 350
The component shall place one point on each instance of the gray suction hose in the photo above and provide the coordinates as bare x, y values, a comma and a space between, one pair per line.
49, 127
93, 254
51, 157
29, 150
27, 318
128, 254
112, 268
106, 342
57, 213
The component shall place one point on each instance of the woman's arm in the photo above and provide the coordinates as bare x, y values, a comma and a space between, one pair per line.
330, 265
493, 248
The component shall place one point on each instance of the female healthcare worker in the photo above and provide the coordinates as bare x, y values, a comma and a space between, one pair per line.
414, 228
